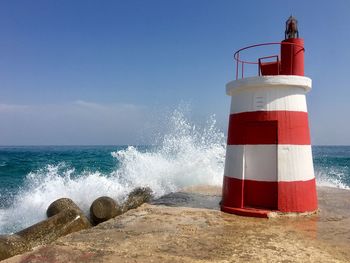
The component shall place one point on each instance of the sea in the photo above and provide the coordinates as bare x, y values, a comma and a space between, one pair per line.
32, 177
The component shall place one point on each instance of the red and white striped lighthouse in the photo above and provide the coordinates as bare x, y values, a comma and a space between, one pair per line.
268, 164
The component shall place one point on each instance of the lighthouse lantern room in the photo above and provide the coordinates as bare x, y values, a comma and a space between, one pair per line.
268, 166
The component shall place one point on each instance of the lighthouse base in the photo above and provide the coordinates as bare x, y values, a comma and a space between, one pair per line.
261, 199
262, 213
250, 212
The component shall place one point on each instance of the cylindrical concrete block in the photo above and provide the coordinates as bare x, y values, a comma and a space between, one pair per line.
61, 224
65, 217
103, 209
60, 205
137, 197
11, 245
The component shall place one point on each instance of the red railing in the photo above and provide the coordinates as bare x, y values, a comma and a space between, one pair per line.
240, 63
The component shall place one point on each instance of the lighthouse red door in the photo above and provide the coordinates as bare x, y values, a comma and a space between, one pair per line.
260, 188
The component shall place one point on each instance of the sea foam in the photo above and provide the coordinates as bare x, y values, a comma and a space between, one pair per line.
334, 180
184, 155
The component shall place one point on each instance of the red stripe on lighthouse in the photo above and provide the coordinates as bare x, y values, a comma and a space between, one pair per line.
295, 196
256, 128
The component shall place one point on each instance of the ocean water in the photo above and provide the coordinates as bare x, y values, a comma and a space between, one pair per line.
33, 177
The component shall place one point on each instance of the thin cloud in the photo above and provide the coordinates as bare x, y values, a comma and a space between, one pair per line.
99, 106
78, 122
12, 108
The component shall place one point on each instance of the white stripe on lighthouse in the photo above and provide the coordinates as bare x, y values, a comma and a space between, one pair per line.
259, 162
289, 156
269, 99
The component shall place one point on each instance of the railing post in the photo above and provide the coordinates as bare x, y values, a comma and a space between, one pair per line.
242, 70
237, 65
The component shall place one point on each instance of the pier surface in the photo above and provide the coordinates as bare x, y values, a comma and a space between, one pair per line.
188, 227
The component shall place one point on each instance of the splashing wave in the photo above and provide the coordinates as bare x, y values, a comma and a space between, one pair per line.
186, 155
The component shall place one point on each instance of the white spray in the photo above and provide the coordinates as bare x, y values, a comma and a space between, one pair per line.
186, 155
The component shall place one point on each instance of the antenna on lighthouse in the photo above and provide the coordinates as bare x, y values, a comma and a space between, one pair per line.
291, 28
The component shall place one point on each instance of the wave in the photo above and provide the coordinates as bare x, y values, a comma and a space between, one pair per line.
324, 178
185, 155
188, 155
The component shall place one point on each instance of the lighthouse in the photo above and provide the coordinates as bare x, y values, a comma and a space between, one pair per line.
268, 165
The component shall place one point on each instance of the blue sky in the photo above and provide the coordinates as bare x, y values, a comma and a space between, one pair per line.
102, 72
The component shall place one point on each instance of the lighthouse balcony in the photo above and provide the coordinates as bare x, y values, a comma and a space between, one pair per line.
279, 83
270, 59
